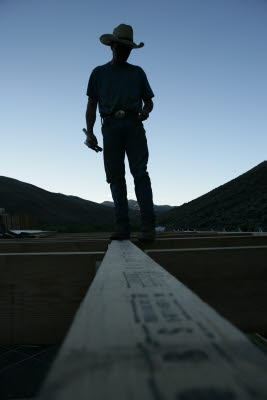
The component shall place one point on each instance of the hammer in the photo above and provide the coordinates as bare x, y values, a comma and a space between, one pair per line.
90, 144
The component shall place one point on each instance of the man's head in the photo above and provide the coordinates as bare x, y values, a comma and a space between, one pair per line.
120, 52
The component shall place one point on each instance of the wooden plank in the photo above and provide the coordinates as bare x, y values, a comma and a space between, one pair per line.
53, 246
191, 242
47, 240
141, 334
105, 236
39, 294
259, 340
70, 239
232, 280
242, 302
213, 263
100, 235
204, 233
76, 244
85, 235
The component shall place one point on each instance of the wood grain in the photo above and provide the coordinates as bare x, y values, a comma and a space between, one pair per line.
139, 333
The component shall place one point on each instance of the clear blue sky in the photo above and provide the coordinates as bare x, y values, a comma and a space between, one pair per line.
206, 62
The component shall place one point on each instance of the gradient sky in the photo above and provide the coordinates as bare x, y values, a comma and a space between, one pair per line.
206, 62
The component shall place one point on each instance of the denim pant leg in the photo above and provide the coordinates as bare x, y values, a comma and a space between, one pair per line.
119, 195
137, 153
114, 155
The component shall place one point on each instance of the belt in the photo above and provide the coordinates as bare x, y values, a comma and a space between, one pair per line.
120, 114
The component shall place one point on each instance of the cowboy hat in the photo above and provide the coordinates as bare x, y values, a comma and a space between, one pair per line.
121, 34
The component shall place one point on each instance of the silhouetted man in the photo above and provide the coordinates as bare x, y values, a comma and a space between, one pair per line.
119, 88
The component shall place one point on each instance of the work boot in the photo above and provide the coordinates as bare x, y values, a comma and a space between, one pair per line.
147, 234
120, 233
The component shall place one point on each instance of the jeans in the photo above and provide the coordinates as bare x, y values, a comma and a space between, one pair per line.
128, 136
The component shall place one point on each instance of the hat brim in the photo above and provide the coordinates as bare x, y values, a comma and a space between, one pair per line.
108, 38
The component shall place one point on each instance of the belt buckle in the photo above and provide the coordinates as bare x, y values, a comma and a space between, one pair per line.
120, 114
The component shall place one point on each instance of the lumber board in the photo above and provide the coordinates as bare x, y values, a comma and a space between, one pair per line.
259, 340
40, 293
242, 302
100, 244
189, 242
139, 333
204, 233
51, 240
232, 280
216, 262
54, 246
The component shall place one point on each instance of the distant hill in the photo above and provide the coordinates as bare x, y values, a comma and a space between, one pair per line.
54, 209
133, 204
241, 202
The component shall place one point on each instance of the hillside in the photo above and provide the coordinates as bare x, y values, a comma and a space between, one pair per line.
133, 204
54, 209
241, 202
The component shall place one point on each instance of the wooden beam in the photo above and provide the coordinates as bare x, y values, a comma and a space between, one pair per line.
76, 244
197, 242
232, 280
213, 263
40, 293
49, 240
139, 333
204, 233
259, 340
242, 302
44, 245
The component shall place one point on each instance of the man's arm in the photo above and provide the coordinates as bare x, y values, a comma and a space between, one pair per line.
91, 114
91, 140
148, 107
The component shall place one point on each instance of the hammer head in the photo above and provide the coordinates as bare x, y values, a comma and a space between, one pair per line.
93, 146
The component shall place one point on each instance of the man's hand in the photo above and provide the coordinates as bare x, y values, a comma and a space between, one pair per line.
143, 115
91, 141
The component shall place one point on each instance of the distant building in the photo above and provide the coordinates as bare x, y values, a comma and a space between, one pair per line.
17, 221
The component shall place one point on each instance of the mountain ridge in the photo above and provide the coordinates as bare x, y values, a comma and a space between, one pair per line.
241, 202
54, 209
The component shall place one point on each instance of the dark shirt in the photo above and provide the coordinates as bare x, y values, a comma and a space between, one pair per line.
119, 87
